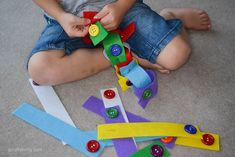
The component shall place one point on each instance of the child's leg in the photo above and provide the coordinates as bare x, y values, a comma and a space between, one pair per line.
52, 68
192, 18
161, 44
177, 51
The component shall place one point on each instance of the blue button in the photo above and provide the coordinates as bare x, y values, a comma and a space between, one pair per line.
116, 50
190, 129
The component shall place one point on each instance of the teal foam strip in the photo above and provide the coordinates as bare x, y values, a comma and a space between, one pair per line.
56, 128
138, 139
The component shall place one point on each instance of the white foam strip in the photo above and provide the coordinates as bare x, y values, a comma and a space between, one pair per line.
51, 103
116, 101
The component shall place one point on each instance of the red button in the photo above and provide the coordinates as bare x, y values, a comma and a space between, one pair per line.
109, 94
208, 139
93, 146
166, 140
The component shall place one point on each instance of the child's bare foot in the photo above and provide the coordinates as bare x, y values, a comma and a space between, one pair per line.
192, 18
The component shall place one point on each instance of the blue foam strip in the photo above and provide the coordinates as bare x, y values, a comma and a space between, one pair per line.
106, 142
137, 75
126, 69
56, 128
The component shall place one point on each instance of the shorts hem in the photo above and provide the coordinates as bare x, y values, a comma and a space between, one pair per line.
37, 51
173, 32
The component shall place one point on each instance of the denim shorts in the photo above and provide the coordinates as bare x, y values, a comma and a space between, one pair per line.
152, 34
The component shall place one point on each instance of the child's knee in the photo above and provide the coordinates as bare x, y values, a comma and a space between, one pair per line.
41, 70
174, 55
181, 57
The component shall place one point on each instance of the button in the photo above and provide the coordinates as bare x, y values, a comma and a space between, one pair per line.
190, 129
147, 94
116, 50
112, 112
109, 94
166, 140
35, 83
208, 139
94, 30
128, 83
157, 151
93, 146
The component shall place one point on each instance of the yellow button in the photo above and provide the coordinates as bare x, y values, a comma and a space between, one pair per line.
94, 30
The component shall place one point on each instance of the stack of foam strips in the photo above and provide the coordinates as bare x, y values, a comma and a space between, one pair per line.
130, 73
123, 129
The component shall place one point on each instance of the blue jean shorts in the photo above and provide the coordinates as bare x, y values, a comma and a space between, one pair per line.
152, 34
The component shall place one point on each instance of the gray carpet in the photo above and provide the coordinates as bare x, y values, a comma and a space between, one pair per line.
201, 93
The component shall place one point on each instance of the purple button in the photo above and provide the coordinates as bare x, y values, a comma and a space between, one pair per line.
116, 50
157, 150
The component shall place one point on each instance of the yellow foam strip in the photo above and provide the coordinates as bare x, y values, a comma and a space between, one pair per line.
143, 129
192, 142
122, 81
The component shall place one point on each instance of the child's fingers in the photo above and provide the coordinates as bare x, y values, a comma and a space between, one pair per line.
110, 27
106, 20
83, 21
101, 14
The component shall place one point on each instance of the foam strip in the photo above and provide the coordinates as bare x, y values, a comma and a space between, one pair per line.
96, 105
136, 74
146, 152
144, 129
123, 147
114, 102
192, 142
56, 128
51, 103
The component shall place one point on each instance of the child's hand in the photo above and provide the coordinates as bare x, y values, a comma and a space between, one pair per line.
73, 25
111, 16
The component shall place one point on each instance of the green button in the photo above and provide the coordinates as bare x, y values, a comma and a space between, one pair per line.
147, 94
112, 112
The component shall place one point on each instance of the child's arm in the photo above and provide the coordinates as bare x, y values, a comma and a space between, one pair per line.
73, 25
112, 14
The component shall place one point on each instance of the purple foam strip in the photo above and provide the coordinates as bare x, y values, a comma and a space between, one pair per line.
125, 146
96, 105
153, 86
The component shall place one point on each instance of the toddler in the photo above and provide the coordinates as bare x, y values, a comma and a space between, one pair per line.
159, 41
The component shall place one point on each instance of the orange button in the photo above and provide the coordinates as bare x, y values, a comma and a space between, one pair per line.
166, 140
